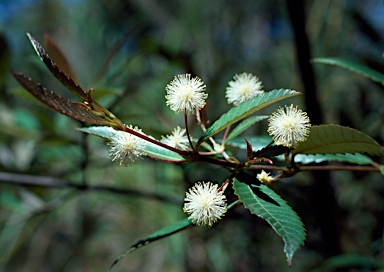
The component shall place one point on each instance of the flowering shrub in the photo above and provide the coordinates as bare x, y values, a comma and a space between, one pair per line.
292, 144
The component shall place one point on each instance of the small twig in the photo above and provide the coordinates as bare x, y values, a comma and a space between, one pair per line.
187, 130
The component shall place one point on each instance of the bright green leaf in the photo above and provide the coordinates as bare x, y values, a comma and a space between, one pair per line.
351, 158
335, 139
382, 169
245, 109
162, 233
354, 67
244, 125
153, 150
265, 203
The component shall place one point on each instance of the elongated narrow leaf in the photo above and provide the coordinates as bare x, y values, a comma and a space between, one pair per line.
335, 139
245, 109
244, 125
101, 131
354, 67
265, 203
58, 103
167, 231
60, 75
155, 151
61, 60
350, 158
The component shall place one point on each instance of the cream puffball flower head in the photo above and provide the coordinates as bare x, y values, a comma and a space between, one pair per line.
264, 177
177, 139
126, 148
186, 94
204, 204
289, 126
243, 87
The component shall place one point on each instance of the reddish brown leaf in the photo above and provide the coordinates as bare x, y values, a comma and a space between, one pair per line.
59, 57
60, 75
58, 103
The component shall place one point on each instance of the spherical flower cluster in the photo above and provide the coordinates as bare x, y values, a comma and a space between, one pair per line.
243, 87
177, 139
205, 204
264, 177
186, 94
289, 127
126, 148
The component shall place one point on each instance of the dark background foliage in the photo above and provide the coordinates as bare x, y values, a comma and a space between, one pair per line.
77, 211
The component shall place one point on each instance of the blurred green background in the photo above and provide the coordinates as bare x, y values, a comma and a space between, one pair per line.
128, 51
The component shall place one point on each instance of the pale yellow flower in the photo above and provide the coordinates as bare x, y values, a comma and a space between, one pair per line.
244, 87
126, 148
204, 204
264, 177
186, 94
289, 127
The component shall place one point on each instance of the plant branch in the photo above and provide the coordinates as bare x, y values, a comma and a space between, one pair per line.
22, 179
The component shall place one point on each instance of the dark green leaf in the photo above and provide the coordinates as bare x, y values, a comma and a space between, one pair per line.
245, 109
167, 231
335, 139
244, 125
354, 67
277, 213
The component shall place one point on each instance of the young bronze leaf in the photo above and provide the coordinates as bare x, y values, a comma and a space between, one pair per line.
58, 103
58, 56
60, 75
335, 139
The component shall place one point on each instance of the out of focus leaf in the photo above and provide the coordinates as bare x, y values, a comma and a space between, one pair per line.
354, 67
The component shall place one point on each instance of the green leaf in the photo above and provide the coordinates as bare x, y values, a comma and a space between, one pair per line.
153, 150
245, 109
351, 158
265, 203
245, 125
162, 233
382, 169
335, 139
354, 67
